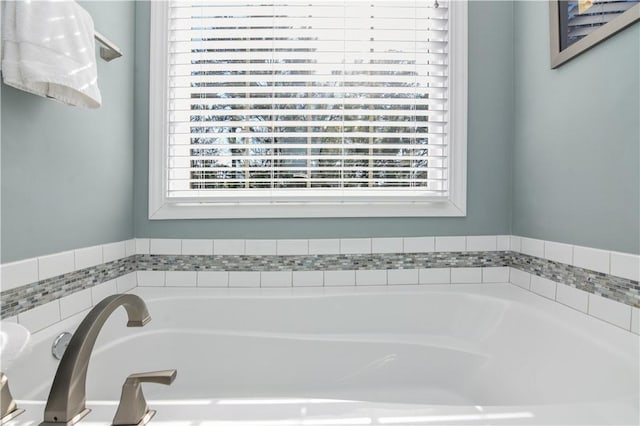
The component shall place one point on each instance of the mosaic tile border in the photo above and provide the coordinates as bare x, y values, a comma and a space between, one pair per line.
21, 299
323, 262
609, 286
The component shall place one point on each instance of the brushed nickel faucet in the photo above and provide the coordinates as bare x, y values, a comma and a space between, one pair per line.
67, 398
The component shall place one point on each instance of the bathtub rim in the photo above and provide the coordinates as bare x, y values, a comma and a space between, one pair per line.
577, 321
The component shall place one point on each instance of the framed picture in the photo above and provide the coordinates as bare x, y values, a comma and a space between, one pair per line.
578, 25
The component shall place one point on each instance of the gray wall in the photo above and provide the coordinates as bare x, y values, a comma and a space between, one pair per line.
68, 175
576, 153
489, 145
67, 172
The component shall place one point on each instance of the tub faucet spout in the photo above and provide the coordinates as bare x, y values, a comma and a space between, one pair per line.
66, 402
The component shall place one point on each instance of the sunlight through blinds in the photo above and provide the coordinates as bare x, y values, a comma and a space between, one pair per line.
308, 99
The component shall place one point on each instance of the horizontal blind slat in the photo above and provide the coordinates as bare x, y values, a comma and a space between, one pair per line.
267, 132
353, 46
202, 115
290, 79
312, 68
336, 102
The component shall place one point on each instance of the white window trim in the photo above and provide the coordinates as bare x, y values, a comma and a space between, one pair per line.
161, 208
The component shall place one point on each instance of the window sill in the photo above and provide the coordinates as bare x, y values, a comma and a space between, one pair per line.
305, 210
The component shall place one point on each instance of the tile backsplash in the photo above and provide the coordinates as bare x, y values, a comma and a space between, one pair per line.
597, 282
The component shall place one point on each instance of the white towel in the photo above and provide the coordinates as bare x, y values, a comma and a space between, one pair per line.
49, 50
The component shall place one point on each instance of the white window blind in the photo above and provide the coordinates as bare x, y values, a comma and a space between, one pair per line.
308, 100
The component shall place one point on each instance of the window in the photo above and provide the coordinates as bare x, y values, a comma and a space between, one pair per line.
307, 108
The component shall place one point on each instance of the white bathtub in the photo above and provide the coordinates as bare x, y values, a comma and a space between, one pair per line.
454, 354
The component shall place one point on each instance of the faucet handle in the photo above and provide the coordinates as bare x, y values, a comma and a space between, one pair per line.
133, 408
8, 407
7, 404
163, 377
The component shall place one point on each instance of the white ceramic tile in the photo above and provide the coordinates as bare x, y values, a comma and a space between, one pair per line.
17, 274
339, 278
495, 274
113, 251
571, 296
197, 247
260, 247
635, 320
466, 275
386, 245
74, 303
611, 311
532, 247
435, 276
275, 279
180, 278
213, 279
520, 278
324, 246
403, 276
419, 244
515, 243
88, 257
167, 246
292, 247
55, 264
151, 278
355, 245
103, 290
543, 286
592, 259
244, 279
503, 242
558, 252
130, 247
40, 317
142, 246
308, 279
625, 265
371, 277
451, 244
228, 247
127, 282
482, 243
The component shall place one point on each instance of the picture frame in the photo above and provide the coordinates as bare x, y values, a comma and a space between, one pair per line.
565, 47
